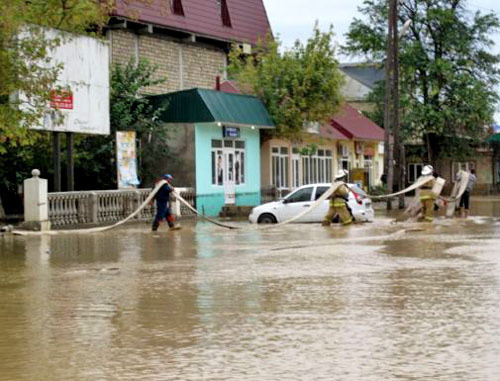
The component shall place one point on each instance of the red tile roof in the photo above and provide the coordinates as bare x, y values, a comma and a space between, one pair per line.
348, 124
229, 87
354, 125
248, 17
330, 132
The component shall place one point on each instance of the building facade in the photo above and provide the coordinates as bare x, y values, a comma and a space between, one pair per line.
349, 141
188, 40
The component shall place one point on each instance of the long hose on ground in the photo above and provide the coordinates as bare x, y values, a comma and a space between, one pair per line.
316, 204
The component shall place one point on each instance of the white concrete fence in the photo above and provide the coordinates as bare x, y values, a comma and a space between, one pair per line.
95, 207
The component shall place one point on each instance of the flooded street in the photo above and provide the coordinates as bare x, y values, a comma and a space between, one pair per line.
377, 301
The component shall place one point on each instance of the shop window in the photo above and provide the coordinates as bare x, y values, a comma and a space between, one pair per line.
279, 156
228, 161
317, 168
414, 171
461, 166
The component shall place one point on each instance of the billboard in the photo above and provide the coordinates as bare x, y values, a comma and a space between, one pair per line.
126, 159
82, 93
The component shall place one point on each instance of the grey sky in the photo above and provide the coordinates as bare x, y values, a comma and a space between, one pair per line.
294, 19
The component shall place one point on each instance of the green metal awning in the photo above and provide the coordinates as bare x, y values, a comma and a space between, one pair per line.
210, 106
493, 138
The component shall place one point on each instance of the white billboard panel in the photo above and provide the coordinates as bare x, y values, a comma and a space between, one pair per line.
85, 76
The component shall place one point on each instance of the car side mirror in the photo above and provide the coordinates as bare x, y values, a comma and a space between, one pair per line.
285, 201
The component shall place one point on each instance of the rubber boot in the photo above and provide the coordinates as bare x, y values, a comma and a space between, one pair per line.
462, 213
155, 226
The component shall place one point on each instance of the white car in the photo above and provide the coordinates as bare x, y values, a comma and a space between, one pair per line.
303, 197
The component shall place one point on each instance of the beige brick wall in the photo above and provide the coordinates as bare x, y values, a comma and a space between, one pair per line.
184, 65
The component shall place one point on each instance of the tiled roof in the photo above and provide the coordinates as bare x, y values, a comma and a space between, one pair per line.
329, 132
229, 87
351, 123
249, 20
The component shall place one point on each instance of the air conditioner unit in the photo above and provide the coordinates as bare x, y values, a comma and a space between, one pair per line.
343, 150
247, 48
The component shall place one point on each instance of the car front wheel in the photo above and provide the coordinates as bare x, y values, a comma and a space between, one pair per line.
266, 219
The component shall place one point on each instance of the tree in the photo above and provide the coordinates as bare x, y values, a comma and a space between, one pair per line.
448, 74
25, 54
129, 111
297, 86
24, 57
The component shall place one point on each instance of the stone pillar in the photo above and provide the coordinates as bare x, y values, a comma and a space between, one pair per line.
36, 207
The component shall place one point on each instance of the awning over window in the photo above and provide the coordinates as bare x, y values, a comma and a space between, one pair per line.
210, 106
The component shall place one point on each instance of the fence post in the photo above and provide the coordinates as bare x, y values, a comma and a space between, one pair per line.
93, 207
137, 203
36, 214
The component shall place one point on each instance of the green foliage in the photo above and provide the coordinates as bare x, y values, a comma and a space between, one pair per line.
378, 190
129, 111
309, 150
24, 55
298, 85
447, 73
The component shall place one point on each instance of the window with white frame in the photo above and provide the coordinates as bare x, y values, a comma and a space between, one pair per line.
217, 163
228, 160
239, 163
414, 171
317, 168
279, 162
461, 166
295, 168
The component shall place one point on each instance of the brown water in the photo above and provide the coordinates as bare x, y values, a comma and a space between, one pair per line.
376, 301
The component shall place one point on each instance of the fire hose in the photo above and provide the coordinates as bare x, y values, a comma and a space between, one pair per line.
150, 198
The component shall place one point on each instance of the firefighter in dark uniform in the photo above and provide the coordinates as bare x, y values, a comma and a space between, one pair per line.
162, 198
338, 202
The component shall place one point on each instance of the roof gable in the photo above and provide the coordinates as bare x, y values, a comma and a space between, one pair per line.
367, 74
249, 20
354, 125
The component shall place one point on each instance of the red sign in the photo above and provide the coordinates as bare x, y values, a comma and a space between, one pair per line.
61, 99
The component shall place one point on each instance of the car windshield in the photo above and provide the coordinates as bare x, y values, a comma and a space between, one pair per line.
301, 195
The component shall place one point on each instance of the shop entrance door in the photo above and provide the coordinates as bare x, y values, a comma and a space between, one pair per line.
229, 160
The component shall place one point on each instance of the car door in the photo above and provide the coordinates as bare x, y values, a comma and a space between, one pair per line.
296, 203
318, 214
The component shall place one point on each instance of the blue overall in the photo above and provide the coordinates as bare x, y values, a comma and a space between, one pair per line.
163, 207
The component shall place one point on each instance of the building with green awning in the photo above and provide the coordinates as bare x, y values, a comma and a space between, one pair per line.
216, 145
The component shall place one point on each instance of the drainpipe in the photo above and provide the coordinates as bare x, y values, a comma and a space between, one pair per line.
217, 83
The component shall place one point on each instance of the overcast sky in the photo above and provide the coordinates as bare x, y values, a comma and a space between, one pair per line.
294, 19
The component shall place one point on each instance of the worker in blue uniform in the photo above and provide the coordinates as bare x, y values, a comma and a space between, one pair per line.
162, 198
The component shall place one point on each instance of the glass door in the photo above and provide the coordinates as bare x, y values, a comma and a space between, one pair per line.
229, 179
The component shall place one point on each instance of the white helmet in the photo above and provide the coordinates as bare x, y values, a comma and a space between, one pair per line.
341, 173
427, 170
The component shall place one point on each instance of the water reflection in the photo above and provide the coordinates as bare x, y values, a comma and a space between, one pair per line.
374, 301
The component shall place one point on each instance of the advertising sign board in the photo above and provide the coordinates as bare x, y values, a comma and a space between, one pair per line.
126, 159
81, 92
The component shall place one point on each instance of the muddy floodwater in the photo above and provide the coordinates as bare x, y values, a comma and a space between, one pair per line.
378, 301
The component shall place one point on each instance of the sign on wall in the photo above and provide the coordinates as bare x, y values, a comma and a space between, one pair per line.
230, 132
81, 93
126, 159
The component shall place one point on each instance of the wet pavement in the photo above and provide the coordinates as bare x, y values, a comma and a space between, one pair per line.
378, 301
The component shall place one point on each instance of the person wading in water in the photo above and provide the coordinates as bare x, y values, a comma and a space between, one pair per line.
163, 211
